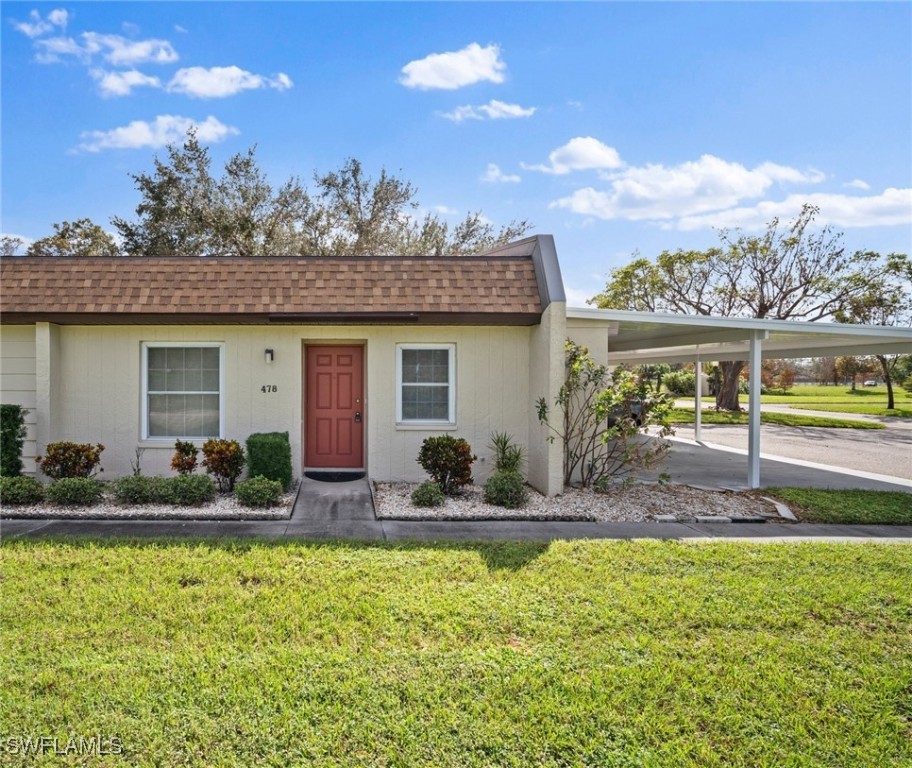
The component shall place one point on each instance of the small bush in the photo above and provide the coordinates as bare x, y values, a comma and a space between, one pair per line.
12, 438
184, 459
269, 456
907, 384
68, 460
506, 489
20, 490
187, 490
140, 490
680, 382
428, 495
448, 460
224, 460
259, 491
74, 492
508, 456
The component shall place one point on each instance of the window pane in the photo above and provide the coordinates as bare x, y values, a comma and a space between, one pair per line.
424, 403
425, 366
188, 370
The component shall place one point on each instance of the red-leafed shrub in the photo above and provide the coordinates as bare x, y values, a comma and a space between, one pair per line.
65, 459
224, 460
448, 460
184, 459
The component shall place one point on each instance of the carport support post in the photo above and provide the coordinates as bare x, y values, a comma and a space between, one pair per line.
753, 439
698, 399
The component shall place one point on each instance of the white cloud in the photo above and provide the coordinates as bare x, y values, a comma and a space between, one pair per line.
178, 28
219, 82
891, 207
493, 175
493, 110
123, 52
164, 130
580, 154
37, 26
858, 184
455, 69
577, 297
658, 192
115, 49
444, 210
122, 83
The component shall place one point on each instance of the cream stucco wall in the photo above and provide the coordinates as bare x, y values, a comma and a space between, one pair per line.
18, 384
94, 383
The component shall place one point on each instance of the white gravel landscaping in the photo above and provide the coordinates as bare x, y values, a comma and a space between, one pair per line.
635, 502
223, 508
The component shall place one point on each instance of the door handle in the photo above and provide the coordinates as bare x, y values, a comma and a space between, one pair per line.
358, 416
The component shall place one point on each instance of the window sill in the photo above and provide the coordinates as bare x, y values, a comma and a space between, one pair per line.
425, 426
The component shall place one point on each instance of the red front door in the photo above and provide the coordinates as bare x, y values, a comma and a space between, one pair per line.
334, 397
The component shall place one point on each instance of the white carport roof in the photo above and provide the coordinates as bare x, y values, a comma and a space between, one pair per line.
655, 337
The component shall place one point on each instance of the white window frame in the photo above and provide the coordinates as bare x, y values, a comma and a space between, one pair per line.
451, 384
144, 386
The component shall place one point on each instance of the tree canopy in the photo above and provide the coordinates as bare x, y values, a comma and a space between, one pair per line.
81, 238
186, 210
793, 271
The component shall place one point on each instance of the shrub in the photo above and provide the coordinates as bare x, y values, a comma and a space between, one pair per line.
259, 491
12, 438
184, 459
20, 490
506, 489
448, 460
224, 460
74, 492
508, 456
187, 490
680, 382
269, 456
428, 495
140, 490
907, 384
69, 460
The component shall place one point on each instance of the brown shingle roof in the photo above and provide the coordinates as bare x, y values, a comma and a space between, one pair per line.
495, 289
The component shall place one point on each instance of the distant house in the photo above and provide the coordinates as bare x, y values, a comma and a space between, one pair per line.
358, 359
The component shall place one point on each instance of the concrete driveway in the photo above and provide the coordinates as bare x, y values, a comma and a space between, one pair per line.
883, 452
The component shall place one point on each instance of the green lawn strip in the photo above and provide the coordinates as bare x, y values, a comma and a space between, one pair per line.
823, 505
575, 653
863, 408
686, 416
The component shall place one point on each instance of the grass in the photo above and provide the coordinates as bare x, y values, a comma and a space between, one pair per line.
904, 411
686, 416
614, 654
818, 505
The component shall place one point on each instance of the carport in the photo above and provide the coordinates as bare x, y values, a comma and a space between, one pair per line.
638, 338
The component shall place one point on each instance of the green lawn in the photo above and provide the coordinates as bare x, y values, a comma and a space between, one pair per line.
611, 654
686, 416
904, 410
818, 505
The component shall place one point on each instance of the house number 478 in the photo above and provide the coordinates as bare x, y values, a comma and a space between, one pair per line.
269, 388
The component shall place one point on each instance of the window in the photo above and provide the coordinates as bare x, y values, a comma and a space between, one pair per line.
426, 377
182, 390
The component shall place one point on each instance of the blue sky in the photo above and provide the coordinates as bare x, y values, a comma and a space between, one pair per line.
615, 127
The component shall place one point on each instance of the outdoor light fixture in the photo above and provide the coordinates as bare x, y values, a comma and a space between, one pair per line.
270, 356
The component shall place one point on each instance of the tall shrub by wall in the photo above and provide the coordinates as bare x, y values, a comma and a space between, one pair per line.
12, 438
269, 455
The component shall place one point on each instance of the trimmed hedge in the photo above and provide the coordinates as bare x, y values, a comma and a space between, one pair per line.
183, 490
259, 491
74, 492
12, 438
21, 490
506, 489
269, 456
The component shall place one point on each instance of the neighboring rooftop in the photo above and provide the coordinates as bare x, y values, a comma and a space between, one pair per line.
494, 288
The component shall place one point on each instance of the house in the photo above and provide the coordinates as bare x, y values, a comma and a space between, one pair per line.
358, 359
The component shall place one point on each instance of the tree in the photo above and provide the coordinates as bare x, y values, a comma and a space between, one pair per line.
186, 211
794, 272
884, 300
850, 368
82, 238
9, 245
